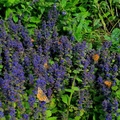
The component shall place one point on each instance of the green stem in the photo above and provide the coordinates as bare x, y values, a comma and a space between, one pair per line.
70, 98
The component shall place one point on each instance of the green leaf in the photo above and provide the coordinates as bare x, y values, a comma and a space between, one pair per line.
52, 104
11, 1
65, 98
15, 18
63, 3
23, 6
52, 118
69, 90
114, 88
51, 62
1, 66
118, 94
78, 79
77, 118
8, 13
75, 88
118, 118
75, 71
82, 111
34, 19
26, 104
48, 113
31, 25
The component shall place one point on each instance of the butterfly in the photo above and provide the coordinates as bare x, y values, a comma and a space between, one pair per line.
41, 96
108, 83
46, 66
95, 57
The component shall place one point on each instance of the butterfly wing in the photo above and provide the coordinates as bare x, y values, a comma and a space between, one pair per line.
41, 95
108, 83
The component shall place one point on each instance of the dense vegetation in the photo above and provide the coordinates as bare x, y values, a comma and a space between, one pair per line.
59, 60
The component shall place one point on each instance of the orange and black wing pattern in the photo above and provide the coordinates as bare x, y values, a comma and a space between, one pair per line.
41, 95
108, 83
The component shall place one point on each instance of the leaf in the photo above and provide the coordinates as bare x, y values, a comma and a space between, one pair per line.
8, 13
51, 62
63, 3
65, 98
26, 105
114, 88
118, 94
75, 71
52, 118
77, 118
78, 79
48, 113
15, 18
69, 90
1, 66
31, 25
11, 1
82, 111
52, 104
34, 19
75, 88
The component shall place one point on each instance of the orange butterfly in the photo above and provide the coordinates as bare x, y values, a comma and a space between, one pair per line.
108, 83
46, 66
41, 96
95, 57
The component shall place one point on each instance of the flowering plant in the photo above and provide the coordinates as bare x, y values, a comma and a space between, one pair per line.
50, 76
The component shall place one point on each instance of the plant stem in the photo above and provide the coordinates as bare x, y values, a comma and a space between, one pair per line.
70, 98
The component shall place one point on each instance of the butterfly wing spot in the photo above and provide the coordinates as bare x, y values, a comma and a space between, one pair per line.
41, 95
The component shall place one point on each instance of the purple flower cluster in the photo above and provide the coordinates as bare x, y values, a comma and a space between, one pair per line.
27, 63
47, 60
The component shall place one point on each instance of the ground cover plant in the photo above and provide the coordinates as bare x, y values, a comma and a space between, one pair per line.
76, 80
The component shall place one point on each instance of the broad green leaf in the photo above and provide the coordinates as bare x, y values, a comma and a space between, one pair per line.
114, 88
65, 98
15, 18
34, 19
77, 118
8, 12
48, 113
63, 3
11, 1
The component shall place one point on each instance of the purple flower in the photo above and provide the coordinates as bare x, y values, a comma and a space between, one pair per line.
1, 114
107, 44
115, 68
108, 117
31, 100
41, 82
12, 112
25, 116
107, 106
